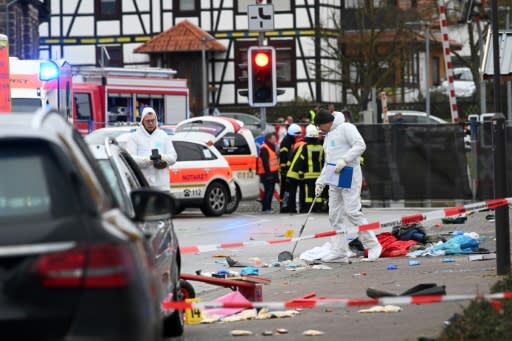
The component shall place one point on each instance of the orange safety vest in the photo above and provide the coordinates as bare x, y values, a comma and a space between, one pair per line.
273, 160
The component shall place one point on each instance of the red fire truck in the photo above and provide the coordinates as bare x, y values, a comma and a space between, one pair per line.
114, 96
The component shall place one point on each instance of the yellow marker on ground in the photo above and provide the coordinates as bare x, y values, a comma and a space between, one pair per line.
194, 315
289, 233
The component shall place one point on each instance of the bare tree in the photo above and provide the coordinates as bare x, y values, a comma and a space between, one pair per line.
374, 49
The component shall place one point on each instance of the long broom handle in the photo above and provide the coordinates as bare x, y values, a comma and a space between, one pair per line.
305, 221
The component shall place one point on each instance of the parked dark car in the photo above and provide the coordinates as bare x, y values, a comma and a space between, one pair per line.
124, 176
73, 265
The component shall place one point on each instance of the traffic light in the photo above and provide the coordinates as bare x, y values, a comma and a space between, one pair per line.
262, 76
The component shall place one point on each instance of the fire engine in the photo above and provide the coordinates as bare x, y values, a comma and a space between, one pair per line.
39, 83
113, 96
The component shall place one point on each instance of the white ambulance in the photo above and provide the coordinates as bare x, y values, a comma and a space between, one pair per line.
235, 143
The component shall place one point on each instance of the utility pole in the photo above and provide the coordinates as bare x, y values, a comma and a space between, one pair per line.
499, 147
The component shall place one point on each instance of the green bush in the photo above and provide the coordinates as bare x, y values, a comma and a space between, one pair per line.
481, 321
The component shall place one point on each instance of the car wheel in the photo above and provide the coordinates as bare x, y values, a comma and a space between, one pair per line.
215, 200
174, 324
233, 204
187, 290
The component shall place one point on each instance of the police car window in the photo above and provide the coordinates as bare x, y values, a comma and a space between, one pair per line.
213, 128
188, 151
233, 144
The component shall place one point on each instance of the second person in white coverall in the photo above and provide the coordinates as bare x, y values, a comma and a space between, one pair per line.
142, 142
343, 146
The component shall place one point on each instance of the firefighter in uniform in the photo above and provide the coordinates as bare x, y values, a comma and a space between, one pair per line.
285, 153
268, 170
313, 155
294, 177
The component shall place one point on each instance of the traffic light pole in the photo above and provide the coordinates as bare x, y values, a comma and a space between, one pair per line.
263, 110
499, 149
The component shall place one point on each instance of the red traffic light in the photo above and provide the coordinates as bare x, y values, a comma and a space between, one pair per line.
261, 59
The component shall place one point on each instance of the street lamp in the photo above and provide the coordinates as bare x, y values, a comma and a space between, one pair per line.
426, 25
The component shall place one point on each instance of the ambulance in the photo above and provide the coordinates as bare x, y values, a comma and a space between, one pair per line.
39, 83
113, 96
235, 143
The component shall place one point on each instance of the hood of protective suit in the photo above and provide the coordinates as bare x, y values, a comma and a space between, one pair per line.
146, 111
339, 118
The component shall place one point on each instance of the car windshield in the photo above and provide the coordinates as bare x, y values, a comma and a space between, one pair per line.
29, 179
208, 127
25, 104
98, 136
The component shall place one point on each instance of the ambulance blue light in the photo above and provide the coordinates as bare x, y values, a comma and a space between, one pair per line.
48, 70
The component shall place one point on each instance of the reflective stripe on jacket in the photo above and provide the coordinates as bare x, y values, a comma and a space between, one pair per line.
307, 162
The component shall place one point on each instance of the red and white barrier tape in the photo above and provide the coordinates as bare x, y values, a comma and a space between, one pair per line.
378, 227
448, 62
309, 303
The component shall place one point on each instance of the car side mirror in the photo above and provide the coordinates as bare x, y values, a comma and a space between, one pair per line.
152, 205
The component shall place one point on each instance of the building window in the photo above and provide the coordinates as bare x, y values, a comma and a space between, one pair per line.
186, 7
279, 5
115, 53
285, 55
107, 9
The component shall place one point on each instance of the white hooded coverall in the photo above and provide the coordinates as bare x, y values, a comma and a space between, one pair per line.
139, 145
344, 142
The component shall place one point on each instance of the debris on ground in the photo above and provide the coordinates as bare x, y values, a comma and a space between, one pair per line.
382, 309
454, 220
312, 332
414, 263
359, 274
267, 333
392, 267
488, 256
249, 270
239, 332
234, 263
281, 331
249, 314
321, 267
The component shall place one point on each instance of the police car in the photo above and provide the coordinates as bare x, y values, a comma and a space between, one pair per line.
235, 143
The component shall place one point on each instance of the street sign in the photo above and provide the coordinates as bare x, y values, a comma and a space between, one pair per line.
261, 17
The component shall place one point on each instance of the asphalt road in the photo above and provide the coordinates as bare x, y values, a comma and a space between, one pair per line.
347, 281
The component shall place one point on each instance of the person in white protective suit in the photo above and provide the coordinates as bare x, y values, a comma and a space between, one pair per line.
343, 146
152, 150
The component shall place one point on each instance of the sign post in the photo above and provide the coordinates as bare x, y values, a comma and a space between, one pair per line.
261, 19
